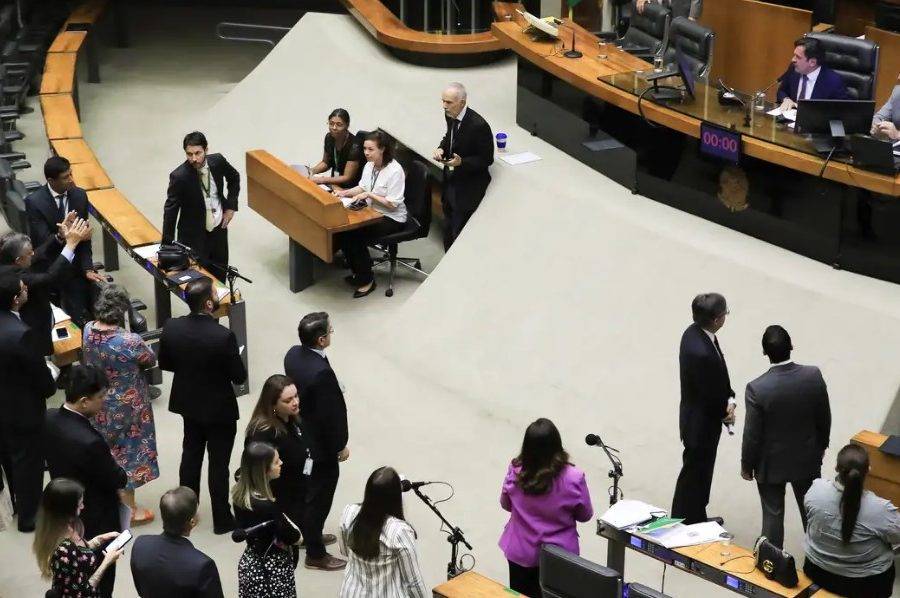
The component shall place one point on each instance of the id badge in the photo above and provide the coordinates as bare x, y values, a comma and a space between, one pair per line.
307, 466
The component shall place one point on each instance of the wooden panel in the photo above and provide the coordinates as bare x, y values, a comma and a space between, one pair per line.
852, 16
739, 57
90, 176
295, 224
888, 62
582, 73
391, 31
75, 151
743, 568
472, 585
130, 224
884, 469
59, 73
68, 41
60, 116
67, 350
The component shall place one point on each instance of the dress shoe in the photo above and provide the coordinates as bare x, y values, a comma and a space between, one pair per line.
223, 529
26, 527
357, 294
327, 540
326, 563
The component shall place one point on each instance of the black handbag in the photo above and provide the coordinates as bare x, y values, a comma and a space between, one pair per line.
172, 257
775, 563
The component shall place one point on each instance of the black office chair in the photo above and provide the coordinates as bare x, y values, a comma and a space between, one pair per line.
417, 197
567, 575
647, 32
855, 60
887, 16
639, 590
695, 42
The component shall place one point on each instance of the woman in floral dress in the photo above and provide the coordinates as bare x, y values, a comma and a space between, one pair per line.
126, 420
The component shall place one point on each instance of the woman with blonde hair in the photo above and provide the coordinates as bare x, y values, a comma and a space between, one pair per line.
75, 565
266, 568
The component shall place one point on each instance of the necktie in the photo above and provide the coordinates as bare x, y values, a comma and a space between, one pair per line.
802, 94
454, 129
61, 207
204, 185
718, 348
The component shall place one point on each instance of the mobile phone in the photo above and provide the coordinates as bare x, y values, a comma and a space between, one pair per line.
120, 541
62, 333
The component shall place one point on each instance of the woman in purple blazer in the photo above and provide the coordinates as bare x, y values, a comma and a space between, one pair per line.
545, 495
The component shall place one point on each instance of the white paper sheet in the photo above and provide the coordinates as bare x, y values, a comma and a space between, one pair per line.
59, 315
626, 513
685, 535
791, 114
147, 251
520, 158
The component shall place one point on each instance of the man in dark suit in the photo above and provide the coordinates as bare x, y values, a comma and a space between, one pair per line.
25, 385
17, 255
76, 450
200, 203
325, 412
467, 150
786, 432
206, 361
47, 207
168, 565
707, 402
808, 78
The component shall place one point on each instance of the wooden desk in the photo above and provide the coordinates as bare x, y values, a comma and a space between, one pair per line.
132, 228
884, 469
309, 216
60, 116
888, 62
59, 73
67, 41
67, 350
75, 150
90, 176
473, 585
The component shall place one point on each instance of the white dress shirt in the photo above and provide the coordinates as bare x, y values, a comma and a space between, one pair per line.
213, 200
60, 199
389, 183
810, 84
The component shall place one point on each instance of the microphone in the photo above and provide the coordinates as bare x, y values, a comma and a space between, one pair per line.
406, 485
239, 535
593, 440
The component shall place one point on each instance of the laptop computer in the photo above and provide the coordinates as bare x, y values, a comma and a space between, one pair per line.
874, 154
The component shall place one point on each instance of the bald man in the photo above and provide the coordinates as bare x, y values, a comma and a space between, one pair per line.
466, 151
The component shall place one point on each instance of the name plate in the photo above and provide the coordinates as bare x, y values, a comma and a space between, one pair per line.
721, 143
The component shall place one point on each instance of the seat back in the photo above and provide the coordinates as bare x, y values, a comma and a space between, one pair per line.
855, 60
695, 42
564, 574
648, 29
417, 196
14, 211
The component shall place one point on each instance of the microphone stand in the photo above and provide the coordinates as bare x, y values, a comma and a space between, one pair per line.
456, 536
572, 53
615, 550
231, 273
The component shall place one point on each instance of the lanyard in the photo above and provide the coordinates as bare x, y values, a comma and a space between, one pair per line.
206, 186
334, 153
374, 178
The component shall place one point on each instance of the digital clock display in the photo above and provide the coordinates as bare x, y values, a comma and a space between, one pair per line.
720, 143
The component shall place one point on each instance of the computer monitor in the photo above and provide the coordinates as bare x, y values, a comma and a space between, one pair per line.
567, 575
825, 117
685, 72
681, 69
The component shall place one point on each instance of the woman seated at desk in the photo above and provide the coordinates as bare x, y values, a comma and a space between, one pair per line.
850, 531
381, 186
342, 157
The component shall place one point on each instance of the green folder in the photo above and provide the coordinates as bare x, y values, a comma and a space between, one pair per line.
659, 523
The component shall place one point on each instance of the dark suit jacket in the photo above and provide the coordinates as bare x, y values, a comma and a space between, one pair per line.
204, 357
185, 203
25, 381
787, 426
829, 86
37, 312
322, 405
474, 143
705, 388
43, 218
167, 566
76, 450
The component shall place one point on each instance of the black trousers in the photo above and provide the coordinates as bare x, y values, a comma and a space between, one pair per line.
525, 580
218, 440
771, 496
874, 586
26, 456
6, 471
695, 480
456, 213
215, 251
319, 496
77, 297
355, 244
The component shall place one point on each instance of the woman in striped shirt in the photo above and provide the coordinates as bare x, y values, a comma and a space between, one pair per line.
380, 544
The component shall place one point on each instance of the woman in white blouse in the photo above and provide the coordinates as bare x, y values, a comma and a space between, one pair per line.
381, 186
380, 544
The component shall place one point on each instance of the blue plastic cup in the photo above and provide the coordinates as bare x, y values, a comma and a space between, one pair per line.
501, 141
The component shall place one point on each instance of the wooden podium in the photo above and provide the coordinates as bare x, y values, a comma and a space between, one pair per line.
884, 469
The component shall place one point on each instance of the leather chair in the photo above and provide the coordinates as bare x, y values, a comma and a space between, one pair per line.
694, 42
417, 196
855, 60
647, 32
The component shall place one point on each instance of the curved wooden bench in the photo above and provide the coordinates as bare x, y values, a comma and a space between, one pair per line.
59, 73
68, 41
60, 117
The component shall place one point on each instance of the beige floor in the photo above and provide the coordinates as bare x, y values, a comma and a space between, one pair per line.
565, 296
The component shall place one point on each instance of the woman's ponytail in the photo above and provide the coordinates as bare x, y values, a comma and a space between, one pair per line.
852, 468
